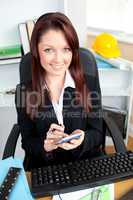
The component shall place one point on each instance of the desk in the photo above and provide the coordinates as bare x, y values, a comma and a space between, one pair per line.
121, 188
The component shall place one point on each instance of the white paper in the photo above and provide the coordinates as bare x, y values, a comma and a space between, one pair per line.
88, 193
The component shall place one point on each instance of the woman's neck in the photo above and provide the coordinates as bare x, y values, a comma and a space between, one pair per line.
55, 85
52, 81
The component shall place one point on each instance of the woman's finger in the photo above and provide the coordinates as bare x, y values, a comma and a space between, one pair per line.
66, 146
48, 141
49, 146
74, 141
56, 135
56, 127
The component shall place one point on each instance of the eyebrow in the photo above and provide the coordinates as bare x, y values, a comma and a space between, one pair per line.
48, 45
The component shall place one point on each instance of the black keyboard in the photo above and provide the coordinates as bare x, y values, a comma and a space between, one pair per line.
81, 174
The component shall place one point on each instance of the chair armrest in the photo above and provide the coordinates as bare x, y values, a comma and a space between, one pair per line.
11, 142
115, 134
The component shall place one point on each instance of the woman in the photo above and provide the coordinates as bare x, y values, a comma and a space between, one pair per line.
60, 100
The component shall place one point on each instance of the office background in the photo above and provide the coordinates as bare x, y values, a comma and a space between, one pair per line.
84, 15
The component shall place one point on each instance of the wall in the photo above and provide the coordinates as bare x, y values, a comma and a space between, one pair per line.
107, 14
13, 12
20, 11
75, 10
78, 11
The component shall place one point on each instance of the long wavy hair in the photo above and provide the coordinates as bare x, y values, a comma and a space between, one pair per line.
57, 21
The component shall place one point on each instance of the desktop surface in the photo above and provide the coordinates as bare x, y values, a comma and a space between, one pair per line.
121, 188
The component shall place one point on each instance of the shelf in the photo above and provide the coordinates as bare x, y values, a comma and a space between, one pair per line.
121, 36
115, 92
7, 96
10, 61
7, 91
112, 69
7, 100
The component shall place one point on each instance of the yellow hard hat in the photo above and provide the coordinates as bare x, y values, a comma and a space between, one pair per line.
106, 45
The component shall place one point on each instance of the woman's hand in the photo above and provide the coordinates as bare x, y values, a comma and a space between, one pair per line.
74, 143
54, 134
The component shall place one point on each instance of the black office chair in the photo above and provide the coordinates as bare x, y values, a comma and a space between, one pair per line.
90, 67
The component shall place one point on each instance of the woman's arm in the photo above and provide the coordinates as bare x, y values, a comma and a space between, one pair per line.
31, 142
94, 135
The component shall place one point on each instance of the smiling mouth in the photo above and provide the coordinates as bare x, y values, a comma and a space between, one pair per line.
57, 66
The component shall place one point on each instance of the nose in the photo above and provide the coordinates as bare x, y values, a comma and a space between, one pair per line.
58, 57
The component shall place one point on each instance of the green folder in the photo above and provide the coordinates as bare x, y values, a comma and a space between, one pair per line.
10, 51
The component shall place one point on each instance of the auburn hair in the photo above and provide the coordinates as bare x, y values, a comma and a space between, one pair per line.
58, 21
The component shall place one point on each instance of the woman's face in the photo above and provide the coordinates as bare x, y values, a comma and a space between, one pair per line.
55, 53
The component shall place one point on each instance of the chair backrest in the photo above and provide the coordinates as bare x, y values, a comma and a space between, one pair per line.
86, 57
